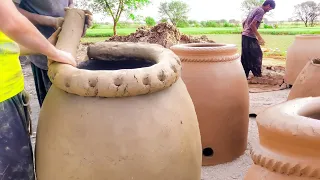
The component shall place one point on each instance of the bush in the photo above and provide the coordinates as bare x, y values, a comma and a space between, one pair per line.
164, 20
211, 23
266, 26
95, 26
150, 21
182, 24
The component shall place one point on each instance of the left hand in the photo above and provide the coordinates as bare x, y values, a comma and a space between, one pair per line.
54, 37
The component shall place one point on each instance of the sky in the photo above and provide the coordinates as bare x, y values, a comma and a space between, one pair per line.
202, 10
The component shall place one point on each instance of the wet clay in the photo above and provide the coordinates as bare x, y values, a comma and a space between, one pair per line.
289, 142
216, 82
308, 81
108, 120
303, 50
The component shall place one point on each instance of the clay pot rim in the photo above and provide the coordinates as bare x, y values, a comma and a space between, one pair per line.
123, 82
209, 46
275, 117
212, 52
307, 36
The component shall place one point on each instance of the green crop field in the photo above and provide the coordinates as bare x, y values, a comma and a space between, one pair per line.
107, 32
281, 42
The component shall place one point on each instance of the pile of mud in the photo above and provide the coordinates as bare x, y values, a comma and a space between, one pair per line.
163, 34
272, 80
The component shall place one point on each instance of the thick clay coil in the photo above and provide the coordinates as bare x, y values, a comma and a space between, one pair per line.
290, 138
120, 83
206, 52
298, 125
275, 163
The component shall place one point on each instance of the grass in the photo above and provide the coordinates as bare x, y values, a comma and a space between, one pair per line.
282, 42
277, 44
107, 32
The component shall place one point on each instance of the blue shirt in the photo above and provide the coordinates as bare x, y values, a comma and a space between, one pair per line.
54, 8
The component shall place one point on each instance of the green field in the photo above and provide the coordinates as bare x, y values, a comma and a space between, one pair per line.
281, 42
107, 32
273, 42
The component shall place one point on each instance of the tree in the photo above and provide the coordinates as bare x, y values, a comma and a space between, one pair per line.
175, 11
150, 21
248, 5
308, 12
114, 8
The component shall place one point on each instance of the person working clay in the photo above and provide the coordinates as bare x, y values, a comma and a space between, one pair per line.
252, 55
47, 16
19, 36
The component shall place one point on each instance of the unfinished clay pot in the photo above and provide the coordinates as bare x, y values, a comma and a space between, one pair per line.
289, 142
218, 87
303, 49
308, 82
124, 114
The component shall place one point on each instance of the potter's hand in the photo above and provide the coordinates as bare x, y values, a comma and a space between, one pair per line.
63, 57
54, 37
56, 22
261, 41
88, 20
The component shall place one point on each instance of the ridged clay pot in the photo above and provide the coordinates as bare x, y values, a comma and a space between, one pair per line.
308, 82
289, 142
303, 49
124, 114
216, 82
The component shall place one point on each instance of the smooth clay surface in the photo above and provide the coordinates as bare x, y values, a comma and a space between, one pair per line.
216, 82
289, 142
303, 50
308, 81
119, 124
154, 136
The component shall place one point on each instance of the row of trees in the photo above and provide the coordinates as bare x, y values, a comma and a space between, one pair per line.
176, 11
308, 12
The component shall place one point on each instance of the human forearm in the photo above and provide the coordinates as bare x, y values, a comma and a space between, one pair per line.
37, 18
25, 51
255, 30
18, 28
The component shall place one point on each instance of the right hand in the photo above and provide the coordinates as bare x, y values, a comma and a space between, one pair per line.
261, 41
63, 57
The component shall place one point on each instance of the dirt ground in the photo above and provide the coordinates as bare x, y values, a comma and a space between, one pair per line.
230, 171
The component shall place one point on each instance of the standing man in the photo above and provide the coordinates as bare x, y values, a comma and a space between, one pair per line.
251, 57
47, 16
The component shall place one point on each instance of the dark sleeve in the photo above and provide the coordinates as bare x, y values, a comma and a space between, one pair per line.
259, 15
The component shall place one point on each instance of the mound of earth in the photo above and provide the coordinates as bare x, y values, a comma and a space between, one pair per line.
272, 80
164, 34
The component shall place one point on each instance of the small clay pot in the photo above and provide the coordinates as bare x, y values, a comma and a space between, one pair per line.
124, 114
289, 142
308, 82
303, 49
218, 87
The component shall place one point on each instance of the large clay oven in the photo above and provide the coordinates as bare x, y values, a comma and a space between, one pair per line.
218, 87
289, 142
124, 114
304, 49
308, 81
